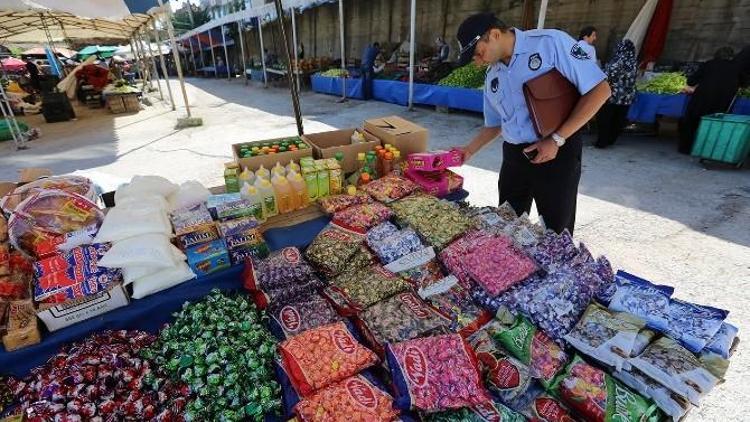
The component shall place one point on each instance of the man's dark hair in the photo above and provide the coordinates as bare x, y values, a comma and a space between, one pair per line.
724, 53
498, 24
586, 32
376, 44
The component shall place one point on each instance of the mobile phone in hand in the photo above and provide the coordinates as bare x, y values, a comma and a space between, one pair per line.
530, 155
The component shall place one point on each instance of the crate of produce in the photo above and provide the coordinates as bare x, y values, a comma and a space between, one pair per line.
724, 138
130, 101
115, 104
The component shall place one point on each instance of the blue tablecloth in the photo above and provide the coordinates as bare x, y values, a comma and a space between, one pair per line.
332, 86
152, 312
445, 96
646, 107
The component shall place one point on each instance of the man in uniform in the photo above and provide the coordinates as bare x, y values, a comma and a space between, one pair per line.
544, 170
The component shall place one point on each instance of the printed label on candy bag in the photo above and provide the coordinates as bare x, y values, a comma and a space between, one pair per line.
415, 366
343, 341
362, 393
414, 306
290, 318
412, 260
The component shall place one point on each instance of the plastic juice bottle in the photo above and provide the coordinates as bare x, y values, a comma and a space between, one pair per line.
265, 189
246, 177
251, 194
292, 166
336, 177
371, 163
324, 179
387, 163
283, 192
263, 172
364, 178
311, 181
231, 180
396, 164
278, 169
299, 190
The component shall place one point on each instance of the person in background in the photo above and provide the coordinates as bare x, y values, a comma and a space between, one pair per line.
443, 50
544, 170
587, 38
713, 87
368, 68
621, 72
301, 51
33, 70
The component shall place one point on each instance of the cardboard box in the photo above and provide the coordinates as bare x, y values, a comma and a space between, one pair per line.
268, 161
61, 316
327, 144
25, 175
406, 136
208, 257
24, 337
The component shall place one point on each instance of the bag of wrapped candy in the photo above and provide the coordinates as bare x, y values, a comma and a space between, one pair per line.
554, 250
693, 325
453, 255
606, 336
71, 184
523, 232
641, 298
597, 397
322, 356
301, 314
403, 316
676, 368
332, 248
395, 245
351, 293
542, 407
497, 265
722, 342
390, 188
531, 346
668, 402
335, 203
425, 275
505, 376
437, 222
454, 301
494, 411
279, 278
362, 217
434, 374
357, 398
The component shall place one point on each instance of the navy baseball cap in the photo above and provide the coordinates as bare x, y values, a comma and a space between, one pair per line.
471, 31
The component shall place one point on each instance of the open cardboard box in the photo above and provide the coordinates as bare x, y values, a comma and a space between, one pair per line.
25, 175
268, 161
406, 136
73, 312
327, 144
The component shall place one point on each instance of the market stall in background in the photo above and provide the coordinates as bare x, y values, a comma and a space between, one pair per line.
334, 275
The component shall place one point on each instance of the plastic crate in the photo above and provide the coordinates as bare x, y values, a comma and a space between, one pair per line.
723, 137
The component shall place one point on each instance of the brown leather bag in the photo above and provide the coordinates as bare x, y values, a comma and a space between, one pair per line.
550, 98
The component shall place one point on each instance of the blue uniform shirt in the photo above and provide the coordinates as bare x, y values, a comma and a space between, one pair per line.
368, 58
535, 53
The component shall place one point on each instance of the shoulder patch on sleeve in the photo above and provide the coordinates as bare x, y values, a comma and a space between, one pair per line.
579, 53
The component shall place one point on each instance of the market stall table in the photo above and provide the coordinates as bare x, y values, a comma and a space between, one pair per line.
152, 312
647, 106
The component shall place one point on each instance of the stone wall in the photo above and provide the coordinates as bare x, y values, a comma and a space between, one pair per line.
697, 29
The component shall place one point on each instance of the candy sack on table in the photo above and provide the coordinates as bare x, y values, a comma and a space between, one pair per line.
722, 341
334, 203
299, 315
351, 293
641, 298
494, 411
693, 325
670, 403
435, 373
363, 216
390, 188
332, 248
322, 356
455, 302
497, 265
396, 245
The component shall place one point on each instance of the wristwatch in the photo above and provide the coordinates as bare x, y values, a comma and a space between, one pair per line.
559, 140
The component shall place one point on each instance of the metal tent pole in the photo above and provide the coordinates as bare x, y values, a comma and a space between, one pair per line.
192, 55
412, 44
343, 53
163, 64
295, 67
542, 14
153, 64
262, 53
142, 67
292, 85
173, 45
226, 53
242, 49
213, 56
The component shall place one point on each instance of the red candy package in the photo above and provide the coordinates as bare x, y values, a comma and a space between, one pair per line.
436, 373
322, 356
353, 399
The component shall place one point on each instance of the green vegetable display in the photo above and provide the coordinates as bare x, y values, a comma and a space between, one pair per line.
745, 92
469, 76
335, 73
222, 350
664, 83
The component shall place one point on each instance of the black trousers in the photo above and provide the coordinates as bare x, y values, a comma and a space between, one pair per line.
367, 78
552, 185
610, 120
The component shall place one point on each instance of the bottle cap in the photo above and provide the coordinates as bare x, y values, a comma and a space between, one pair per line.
339, 156
396, 154
365, 177
388, 146
361, 156
388, 156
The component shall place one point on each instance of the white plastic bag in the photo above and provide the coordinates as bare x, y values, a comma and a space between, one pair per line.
161, 280
146, 250
151, 201
190, 193
145, 185
133, 273
122, 223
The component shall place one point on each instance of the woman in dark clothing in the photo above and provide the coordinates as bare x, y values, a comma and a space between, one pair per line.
713, 87
621, 72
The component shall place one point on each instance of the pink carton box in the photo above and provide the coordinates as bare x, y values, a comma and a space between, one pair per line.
438, 183
435, 160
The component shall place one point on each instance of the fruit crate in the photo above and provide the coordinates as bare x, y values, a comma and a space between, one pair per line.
131, 102
724, 138
115, 104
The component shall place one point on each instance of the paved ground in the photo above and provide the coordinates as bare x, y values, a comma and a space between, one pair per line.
651, 211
